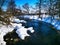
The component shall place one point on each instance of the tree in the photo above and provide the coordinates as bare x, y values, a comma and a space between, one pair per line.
26, 7
11, 7
58, 7
5, 19
52, 8
18, 11
2, 3
38, 5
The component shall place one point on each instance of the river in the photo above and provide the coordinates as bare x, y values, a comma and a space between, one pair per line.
45, 34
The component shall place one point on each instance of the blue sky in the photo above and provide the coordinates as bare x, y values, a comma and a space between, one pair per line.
21, 2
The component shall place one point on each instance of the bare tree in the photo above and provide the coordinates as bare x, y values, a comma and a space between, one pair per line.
38, 5
2, 3
11, 7
58, 7
52, 8
5, 19
26, 7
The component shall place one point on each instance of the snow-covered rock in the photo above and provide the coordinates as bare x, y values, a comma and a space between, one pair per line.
30, 29
22, 32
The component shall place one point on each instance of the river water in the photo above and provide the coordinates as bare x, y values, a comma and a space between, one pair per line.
45, 34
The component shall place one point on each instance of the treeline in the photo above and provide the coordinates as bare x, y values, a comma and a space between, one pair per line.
51, 7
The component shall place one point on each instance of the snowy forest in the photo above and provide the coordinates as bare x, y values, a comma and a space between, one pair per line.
29, 22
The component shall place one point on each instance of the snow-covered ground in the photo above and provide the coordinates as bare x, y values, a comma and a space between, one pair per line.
20, 30
18, 21
3, 31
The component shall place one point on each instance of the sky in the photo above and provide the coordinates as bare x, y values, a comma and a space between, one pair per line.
21, 2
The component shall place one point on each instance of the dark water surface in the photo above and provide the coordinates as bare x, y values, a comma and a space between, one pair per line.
44, 34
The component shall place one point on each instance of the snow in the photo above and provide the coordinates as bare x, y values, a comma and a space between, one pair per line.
23, 21
56, 24
3, 31
35, 17
31, 16
16, 26
31, 29
22, 32
46, 18
18, 21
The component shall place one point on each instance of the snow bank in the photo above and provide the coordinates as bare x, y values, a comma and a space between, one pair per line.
54, 22
22, 32
3, 31
18, 21
46, 18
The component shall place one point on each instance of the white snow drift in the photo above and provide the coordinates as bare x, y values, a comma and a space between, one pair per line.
20, 30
